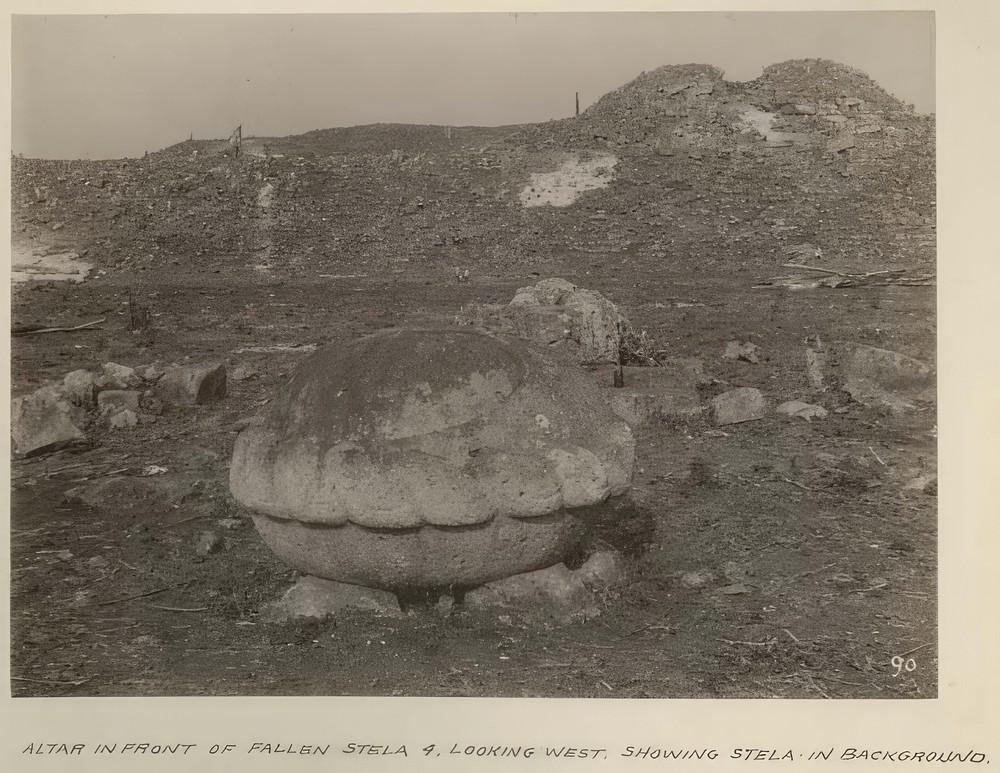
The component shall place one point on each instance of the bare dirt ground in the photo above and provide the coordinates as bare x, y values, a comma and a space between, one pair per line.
815, 574
776, 557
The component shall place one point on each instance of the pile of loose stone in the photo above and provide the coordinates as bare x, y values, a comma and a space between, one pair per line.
66, 412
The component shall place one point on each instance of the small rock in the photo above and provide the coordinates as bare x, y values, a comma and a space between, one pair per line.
799, 409
193, 384
734, 590
116, 400
603, 570
107, 381
697, 579
316, 597
151, 373
209, 542
555, 594
739, 405
244, 373
124, 419
122, 374
742, 351
230, 523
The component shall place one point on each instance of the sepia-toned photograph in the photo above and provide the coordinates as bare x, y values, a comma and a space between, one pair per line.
474, 355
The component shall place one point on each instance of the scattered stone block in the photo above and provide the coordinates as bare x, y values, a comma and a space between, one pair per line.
115, 400
602, 571
42, 422
193, 384
801, 410
881, 377
122, 374
738, 405
840, 144
209, 542
552, 595
151, 373
80, 388
124, 419
670, 390
313, 597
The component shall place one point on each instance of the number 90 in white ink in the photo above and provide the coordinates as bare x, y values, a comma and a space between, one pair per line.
901, 665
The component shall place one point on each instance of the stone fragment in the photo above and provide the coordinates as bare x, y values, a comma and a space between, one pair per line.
314, 597
669, 391
115, 400
742, 351
244, 373
124, 419
80, 388
602, 570
193, 384
209, 542
152, 372
801, 410
552, 595
122, 374
697, 578
841, 143
42, 422
738, 405
816, 364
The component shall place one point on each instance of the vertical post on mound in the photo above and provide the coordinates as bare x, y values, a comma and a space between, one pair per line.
578, 103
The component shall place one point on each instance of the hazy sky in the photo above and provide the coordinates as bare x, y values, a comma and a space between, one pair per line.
115, 86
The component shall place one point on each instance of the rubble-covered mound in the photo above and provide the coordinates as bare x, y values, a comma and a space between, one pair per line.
811, 155
822, 81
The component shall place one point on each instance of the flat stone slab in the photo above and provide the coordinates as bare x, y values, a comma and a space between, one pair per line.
670, 390
801, 410
193, 384
738, 405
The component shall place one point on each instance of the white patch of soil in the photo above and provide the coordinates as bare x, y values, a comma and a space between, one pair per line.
761, 121
562, 187
36, 263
